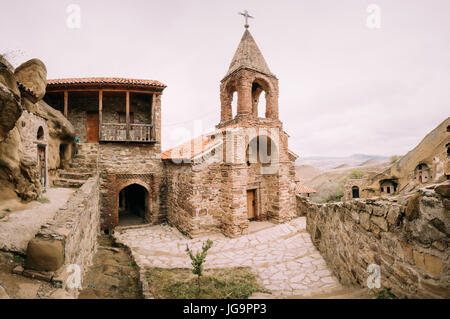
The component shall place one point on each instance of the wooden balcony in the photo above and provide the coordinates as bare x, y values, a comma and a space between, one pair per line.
122, 132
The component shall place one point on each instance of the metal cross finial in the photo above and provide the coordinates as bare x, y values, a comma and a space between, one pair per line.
246, 16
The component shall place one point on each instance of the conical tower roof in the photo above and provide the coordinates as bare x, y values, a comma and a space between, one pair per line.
248, 56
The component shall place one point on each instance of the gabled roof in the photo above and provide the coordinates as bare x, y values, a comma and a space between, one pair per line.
303, 189
195, 147
103, 80
300, 188
190, 149
248, 56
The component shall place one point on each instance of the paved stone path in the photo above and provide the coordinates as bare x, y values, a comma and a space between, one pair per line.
283, 256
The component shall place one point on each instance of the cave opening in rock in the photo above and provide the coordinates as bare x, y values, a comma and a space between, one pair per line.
40, 133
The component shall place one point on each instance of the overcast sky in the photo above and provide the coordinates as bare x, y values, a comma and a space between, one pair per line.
344, 88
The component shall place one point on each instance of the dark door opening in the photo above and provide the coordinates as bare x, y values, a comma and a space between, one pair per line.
62, 155
42, 163
355, 192
132, 205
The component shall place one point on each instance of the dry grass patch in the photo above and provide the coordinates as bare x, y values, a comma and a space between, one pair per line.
223, 283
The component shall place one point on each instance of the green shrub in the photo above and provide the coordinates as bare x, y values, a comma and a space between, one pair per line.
198, 260
355, 174
386, 294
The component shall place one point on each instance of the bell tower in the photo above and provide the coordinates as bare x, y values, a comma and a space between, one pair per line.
248, 75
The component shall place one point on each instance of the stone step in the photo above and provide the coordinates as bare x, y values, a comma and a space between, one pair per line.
68, 183
75, 175
83, 158
84, 165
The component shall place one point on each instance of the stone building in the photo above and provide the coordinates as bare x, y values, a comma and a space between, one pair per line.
118, 126
243, 170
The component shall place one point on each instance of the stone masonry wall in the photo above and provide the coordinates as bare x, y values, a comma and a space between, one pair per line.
193, 197
125, 164
70, 238
407, 236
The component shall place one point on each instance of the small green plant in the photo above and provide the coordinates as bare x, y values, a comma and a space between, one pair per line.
131, 264
335, 197
57, 284
17, 259
43, 200
386, 294
8, 210
355, 174
198, 259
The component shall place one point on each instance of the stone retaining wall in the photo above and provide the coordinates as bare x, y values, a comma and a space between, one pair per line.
69, 239
407, 236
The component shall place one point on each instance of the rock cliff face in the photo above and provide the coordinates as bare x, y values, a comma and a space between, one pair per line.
22, 116
10, 108
427, 163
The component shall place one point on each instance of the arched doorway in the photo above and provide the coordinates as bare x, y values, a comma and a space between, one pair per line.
422, 173
133, 205
355, 192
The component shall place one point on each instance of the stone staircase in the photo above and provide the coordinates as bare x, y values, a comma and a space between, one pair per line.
82, 167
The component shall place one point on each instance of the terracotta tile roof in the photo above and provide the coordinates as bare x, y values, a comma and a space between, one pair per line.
302, 189
103, 80
202, 144
190, 149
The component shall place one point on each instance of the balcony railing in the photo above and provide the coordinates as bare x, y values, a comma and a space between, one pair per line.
118, 132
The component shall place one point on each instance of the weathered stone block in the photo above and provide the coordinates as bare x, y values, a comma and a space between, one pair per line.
437, 290
380, 222
44, 255
443, 190
364, 220
412, 208
407, 252
393, 216
429, 263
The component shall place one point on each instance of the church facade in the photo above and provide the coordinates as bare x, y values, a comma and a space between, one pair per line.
242, 171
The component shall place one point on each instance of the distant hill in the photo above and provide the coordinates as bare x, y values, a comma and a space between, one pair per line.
370, 162
307, 172
327, 163
342, 166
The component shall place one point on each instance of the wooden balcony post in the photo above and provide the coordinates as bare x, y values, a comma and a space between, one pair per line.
128, 114
66, 103
152, 118
100, 112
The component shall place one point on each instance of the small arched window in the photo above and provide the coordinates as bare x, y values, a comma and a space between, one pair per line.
40, 133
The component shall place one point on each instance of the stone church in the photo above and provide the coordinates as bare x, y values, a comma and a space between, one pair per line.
244, 170
220, 181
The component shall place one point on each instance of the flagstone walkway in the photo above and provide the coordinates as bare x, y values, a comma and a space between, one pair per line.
283, 256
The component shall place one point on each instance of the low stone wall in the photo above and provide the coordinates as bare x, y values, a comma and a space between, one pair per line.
407, 236
69, 239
